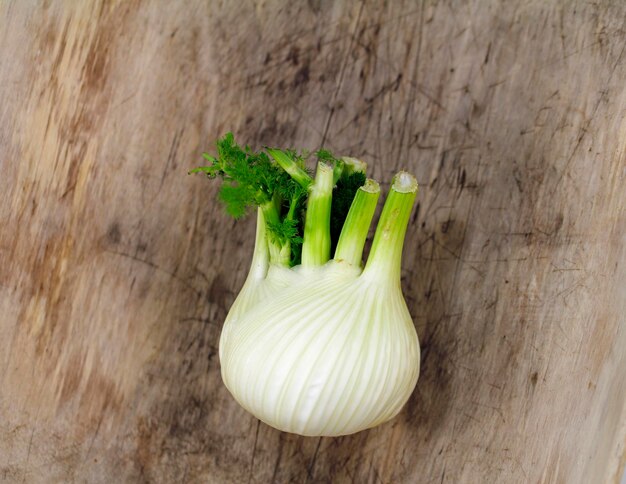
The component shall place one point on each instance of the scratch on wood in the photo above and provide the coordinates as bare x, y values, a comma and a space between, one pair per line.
171, 155
93, 439
344, 65
311, 467
30, 445
256, 439
591, 118
157, 268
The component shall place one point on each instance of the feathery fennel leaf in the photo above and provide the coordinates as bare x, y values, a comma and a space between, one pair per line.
278, 181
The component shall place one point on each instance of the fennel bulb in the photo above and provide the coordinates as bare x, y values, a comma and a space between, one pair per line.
324, 347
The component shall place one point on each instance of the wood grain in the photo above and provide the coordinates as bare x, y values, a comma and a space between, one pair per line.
117, 269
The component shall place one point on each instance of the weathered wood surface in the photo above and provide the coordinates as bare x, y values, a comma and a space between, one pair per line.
117, 269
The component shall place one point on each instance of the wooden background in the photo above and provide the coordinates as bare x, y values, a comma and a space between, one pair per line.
117, 269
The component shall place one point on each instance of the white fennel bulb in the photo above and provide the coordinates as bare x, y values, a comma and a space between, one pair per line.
325, 347
333, 354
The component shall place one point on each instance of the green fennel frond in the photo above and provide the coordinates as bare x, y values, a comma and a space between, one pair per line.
253, 179
278, 181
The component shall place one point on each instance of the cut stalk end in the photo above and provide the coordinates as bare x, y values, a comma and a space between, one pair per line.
386, 255
404, 182
352, 165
